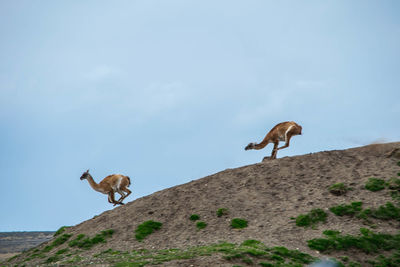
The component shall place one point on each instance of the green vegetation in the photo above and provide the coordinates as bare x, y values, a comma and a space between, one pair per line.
194, 217
201, 225
375, 184
389, 211
83, 242
398, 163
53, 259
61, 240
394, 183
222, 211
146, 229
60, 231
58, 241
388, 261
339, 189
312, 218
247, 253
384, 212
13, 257
238, 223
74, 259
62, 251
368, 241
352, 209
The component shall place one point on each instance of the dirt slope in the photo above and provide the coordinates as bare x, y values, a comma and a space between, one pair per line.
266, 194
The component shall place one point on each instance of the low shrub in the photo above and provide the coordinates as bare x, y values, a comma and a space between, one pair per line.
375, 184
367, 242
386, 212
52, 259
294, 255
338, 189
238, 223
312, 218
222, 211
386, 261
201, 225
60, 231
83, 242
58, 241
61, 240
194, 217
251, 243
61, 251
352, 209
146, 229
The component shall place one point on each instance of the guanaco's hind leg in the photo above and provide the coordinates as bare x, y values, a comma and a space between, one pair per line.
123, 196
274, 150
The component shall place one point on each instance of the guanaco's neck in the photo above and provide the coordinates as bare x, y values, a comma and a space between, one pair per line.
93, 184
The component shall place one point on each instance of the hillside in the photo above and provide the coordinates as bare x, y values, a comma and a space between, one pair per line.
268, 195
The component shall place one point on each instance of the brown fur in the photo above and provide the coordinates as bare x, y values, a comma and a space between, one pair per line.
113, 183
280, 132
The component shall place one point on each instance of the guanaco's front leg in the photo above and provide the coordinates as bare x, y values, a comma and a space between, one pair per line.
287, 142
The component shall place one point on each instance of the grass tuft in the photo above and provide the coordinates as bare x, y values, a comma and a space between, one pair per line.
352, 209
201, 225
339, 189
61, 240
83, 242
222, 211
58, 241
375, 184
312, 218
368, 241
61, 230
52, 259
194, 217
239, 223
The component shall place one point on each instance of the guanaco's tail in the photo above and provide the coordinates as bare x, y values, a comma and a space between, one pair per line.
263, 143
129, 180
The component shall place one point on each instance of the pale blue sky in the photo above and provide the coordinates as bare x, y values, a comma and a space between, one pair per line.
171, 91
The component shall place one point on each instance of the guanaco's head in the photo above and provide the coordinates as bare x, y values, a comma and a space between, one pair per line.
85, 175
300, 129
250, 146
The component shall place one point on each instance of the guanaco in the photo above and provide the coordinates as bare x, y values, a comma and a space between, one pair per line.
109, 185
281, 132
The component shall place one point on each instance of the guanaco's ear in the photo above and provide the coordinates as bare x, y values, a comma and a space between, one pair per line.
87, 171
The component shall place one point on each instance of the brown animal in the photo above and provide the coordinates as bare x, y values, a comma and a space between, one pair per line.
281, 132
109, 185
